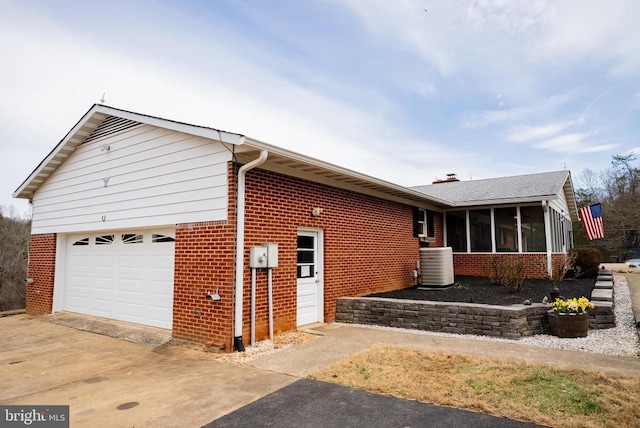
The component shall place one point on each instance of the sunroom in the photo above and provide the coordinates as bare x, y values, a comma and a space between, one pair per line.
533, 222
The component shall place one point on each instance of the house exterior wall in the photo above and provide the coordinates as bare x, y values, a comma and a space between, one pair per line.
368, 242
368, 247
204, 263
471, 264
149, 177
42, 266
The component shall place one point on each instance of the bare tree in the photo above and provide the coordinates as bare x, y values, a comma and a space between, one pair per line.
14, 247
618, 190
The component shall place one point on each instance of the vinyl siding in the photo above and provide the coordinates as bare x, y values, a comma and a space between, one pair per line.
155, 177
561, 205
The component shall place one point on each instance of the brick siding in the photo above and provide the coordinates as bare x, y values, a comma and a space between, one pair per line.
42, 267
471, 264
368, 247
368, 243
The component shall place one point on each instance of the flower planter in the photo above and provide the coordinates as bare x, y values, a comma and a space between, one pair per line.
568, 324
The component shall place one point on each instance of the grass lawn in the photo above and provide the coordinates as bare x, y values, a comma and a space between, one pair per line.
540, 394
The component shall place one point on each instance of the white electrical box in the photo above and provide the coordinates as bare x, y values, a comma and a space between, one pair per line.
263, 257
272, 255
258, 257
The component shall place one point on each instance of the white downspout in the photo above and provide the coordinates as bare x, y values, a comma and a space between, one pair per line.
237, 340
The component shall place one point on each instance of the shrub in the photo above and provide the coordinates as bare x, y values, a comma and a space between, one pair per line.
507, 271
586, 261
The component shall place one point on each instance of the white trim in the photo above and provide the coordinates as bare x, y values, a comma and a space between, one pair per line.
547, 235
468, 231
492, 219
519, 231
60, 274
319, 265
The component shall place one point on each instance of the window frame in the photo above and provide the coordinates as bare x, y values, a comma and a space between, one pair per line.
425, 224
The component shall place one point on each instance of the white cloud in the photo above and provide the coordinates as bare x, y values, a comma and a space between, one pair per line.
574, 143
481, 119
495, 117
527, 133
591, 30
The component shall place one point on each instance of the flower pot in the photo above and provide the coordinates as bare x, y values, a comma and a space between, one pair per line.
568, 325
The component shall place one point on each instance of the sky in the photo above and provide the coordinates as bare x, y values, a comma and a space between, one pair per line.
406, 91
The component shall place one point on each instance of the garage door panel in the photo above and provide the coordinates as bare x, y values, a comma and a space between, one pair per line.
102, 261
159, 313
103, 283
129, 281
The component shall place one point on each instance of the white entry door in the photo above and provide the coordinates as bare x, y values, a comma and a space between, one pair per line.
310, 288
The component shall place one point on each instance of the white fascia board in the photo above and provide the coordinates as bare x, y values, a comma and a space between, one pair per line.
76, 136
200, 131
498, 202
61, 146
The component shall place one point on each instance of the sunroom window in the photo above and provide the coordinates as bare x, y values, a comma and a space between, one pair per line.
480, 223
506, 229
533, 237
457, 230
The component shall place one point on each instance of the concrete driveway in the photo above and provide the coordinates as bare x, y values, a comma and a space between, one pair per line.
110, 382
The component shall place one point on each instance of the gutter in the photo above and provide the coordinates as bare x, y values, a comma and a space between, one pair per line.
237, 339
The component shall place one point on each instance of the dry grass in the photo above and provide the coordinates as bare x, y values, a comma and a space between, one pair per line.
528, 392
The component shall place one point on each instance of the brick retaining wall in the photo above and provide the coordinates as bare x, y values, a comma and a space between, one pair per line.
511, 322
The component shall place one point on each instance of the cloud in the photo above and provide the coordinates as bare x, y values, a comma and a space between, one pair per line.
577, 142
527, 133
591, 30
545, 106
495, 117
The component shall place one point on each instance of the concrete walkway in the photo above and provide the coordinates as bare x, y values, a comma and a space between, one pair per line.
339, 342
336, 342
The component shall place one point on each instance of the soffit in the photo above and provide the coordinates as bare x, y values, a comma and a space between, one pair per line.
300, 166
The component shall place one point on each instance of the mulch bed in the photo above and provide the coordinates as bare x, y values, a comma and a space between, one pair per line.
480, 290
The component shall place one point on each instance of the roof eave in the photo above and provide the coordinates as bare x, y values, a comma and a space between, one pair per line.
509, 201
337, 174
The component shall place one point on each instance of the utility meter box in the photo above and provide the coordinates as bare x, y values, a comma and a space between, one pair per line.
272, 255
258, 257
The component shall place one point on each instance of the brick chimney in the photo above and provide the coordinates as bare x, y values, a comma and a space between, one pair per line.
451, 178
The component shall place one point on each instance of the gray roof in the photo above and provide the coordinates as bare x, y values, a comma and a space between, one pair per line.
503, 190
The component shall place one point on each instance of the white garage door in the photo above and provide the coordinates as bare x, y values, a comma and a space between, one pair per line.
126, 276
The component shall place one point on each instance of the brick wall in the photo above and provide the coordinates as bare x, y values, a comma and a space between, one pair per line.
470, 264
204, 260
368, 243
42, 268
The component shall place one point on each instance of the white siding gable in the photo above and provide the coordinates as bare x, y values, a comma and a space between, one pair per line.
149, 176
561, 205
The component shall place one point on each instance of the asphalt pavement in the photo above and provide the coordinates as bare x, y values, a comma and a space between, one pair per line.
313, 404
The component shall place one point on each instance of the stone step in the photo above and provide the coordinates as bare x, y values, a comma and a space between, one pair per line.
604, 284
604, 278
602, 304
601, 294
605, 272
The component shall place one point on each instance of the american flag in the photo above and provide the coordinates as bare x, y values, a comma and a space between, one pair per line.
591, 217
